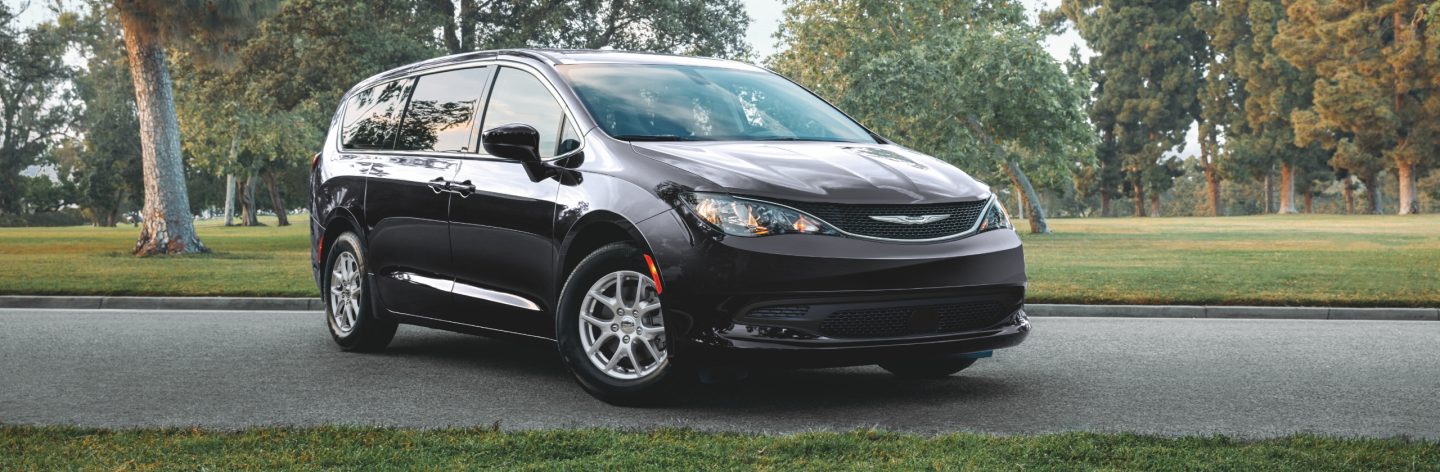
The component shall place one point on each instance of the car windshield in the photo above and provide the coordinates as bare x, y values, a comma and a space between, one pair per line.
689, 103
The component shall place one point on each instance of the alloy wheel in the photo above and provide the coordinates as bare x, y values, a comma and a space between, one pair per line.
622, 331
345, 293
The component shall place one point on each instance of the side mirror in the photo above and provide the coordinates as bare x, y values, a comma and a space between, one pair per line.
513, 141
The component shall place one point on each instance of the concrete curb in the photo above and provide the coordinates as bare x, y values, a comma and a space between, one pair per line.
162, 303
1036, 310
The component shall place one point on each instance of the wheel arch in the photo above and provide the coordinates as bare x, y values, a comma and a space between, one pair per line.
338, 222
593, 231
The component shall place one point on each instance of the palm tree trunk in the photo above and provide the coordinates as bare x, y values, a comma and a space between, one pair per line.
169, 227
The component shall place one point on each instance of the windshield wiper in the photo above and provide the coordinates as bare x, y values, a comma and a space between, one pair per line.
649, 137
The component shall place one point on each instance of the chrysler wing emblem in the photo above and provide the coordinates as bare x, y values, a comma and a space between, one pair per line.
910, 220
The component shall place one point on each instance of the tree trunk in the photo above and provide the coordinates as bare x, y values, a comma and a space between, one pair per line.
247, 202
1309, 202
1372, 192
275, 203
1104, 203
1212, 175
1019, 198
1269, 191
169, 227
1287, 188
469, 16
1349, 188
1139, 198
1409, 198
230, 200
1038, 225
1155, 204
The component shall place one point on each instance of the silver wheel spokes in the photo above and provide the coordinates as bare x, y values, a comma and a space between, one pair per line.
621, 329
345, 292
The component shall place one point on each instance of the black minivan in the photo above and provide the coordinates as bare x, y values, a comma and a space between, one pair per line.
568, 196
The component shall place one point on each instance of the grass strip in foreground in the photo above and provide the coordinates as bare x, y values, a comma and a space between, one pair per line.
57, 448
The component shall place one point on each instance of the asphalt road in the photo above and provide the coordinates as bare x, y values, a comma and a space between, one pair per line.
1246, 378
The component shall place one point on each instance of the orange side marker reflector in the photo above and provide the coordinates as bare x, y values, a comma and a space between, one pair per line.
319, 248
654, 273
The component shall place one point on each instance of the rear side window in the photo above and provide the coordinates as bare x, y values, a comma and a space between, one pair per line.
441, 113
521, 98
372, 116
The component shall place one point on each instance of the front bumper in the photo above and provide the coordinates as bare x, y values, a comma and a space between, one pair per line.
713, 288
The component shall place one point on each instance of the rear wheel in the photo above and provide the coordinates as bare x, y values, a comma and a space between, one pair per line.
611, 329
928, 368
348, 310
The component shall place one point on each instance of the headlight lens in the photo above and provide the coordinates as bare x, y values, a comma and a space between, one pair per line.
996, 217
741, 217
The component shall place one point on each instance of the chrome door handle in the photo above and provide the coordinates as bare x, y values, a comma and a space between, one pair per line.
439, 185
463, 189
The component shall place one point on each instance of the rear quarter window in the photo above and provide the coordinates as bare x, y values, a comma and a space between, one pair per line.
372, 116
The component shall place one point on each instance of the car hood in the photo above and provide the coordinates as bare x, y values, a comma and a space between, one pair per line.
818, 171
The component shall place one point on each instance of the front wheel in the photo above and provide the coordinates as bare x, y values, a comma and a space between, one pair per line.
611, 329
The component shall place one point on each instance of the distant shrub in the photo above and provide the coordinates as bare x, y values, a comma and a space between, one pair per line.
65, 217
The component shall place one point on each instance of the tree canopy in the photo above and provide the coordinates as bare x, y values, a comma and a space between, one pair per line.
966, 81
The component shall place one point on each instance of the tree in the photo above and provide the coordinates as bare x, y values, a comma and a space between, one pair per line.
34, 111
1226, 25
1377, 88
691, 27
107, 166
965, 81
1148, 53
150, 28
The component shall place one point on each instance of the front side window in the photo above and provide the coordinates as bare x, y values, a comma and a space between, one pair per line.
441, 111
372, 116
690, 103
519, 97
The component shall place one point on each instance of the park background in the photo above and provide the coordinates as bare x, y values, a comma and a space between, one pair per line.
1216, 152
1101, 116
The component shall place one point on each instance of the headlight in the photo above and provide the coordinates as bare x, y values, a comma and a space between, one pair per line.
996, 217
742, 217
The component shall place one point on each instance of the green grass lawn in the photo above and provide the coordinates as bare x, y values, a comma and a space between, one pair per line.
1266, 260
29, 448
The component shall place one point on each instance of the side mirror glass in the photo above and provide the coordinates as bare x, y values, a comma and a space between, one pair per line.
513, 141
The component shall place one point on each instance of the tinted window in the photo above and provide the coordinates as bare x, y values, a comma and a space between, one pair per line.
372, 115
680, 103
441, 111
519, 97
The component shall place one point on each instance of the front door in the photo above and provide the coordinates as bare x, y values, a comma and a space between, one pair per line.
501, 233
411, 191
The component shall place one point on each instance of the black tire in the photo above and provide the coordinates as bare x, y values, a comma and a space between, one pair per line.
936, 368
652, 390
368, 333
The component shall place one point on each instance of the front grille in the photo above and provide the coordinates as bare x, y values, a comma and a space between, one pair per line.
855, 219
913, 320
780, 312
